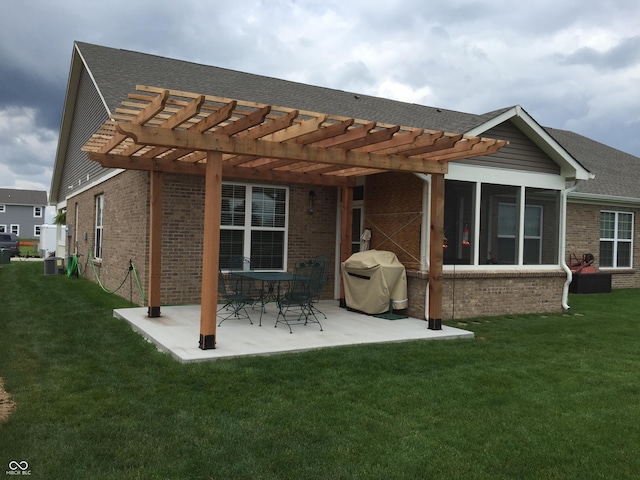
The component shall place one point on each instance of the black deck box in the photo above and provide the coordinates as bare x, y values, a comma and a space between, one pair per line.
598, 282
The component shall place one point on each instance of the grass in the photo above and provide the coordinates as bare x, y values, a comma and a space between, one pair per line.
531, 397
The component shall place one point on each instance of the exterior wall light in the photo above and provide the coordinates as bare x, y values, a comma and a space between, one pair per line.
312, 199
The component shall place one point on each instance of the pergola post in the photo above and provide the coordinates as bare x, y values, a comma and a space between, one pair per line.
435, 252
211, 250
346, 233
155, 243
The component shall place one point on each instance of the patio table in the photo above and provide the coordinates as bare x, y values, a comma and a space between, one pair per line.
269, 280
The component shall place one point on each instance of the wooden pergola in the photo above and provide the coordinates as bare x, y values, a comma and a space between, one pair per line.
169, 131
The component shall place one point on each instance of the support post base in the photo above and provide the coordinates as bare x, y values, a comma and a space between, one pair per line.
207, 342
435, 324
153, 312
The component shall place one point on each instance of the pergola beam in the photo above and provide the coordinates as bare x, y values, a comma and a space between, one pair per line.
260, 148
228, 171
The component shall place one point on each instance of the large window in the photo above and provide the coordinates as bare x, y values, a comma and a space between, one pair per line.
99, 224
616, 238
253, 225
500, 224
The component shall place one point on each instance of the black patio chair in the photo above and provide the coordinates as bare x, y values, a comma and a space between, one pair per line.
294, 304
321, 278
236, 294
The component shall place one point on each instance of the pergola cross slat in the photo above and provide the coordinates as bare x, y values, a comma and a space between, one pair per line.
161, 130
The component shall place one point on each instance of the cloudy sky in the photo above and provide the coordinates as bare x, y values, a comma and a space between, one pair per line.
572, 64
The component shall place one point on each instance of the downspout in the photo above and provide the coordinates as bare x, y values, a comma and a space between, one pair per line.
426, 238
563, 246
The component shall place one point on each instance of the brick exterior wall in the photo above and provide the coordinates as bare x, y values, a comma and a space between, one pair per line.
583, 236
391, 203
393, 212
126, 232
476, 294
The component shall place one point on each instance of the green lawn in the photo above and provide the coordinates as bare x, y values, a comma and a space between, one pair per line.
531, 397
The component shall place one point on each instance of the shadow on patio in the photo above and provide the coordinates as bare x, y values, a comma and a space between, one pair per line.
176, 332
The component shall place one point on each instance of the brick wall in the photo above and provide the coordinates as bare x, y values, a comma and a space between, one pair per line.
476, 294
126, 232
583, 236
313, 234
393, 206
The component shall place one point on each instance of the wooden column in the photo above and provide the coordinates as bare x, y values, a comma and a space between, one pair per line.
435, 251
155, 243
345, 238
211, 250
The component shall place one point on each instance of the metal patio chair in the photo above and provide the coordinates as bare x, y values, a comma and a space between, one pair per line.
236, 295
294, 304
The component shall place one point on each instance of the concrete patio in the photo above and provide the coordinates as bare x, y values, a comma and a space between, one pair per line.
177, 332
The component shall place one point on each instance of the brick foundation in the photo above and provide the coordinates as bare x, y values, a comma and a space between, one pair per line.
476, 294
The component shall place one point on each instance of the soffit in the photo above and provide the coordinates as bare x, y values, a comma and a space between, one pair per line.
166, 130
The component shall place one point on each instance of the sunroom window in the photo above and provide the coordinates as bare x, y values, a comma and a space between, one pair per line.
488, 224
253, 225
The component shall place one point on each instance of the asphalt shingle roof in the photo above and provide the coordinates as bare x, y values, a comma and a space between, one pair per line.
117, 72
616, 173
9, 196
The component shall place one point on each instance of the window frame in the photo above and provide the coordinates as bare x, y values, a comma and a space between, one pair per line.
615, 240
247, 228
99, 227
15, 229
543, 191
37, 230
37, 211
3, 208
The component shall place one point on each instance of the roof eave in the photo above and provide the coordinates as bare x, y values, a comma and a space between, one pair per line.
597, 199
65, 124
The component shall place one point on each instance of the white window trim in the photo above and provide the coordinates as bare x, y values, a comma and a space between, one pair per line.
15, 228
247, 228
37, 212
617, 240
3, 208
480, 176
99, 228
36, 230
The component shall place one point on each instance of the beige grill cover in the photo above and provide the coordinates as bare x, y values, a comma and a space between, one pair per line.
371, 279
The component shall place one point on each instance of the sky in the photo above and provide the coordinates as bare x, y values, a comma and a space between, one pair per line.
571, 64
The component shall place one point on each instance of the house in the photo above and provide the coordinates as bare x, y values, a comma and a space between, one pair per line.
22, 212
602, 214
477, 222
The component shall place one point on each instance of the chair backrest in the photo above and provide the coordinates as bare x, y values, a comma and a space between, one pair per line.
324, 261
222, 284
239, 264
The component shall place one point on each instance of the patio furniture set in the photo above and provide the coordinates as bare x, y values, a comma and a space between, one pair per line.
295, 294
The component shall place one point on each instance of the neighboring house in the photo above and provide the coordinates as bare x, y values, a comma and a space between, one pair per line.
504, 213
22, 211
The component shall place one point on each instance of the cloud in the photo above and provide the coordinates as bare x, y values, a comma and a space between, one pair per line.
27, 150
573, 64
624, 54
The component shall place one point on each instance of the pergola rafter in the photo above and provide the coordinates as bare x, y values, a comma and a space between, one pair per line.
161, 130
